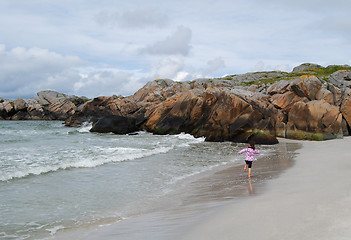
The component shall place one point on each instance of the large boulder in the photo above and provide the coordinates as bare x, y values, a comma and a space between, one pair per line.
156, 92
306, 86
19, 105
340, 79
337, 94
348, 76
285, 100
345, 107
6, 108
33, 104
3, 112
279, 87
218, 115
115, 124
48, 97
325, 94
305, 67
316, 120
62, 108
107, 107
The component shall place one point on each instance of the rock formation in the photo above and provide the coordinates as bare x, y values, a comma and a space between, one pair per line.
311, 102
49, 105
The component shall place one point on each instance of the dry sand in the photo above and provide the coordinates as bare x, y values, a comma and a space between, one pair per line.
312, 200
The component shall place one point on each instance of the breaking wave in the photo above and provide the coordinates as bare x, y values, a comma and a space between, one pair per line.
106, 155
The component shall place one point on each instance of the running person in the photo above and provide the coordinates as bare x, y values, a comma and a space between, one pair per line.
249, 158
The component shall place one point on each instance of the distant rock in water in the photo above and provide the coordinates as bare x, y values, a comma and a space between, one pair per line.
312, 102
49, 105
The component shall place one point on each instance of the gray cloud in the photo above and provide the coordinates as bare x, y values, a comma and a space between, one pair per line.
175, 67
140, 18
214, 64
106, 82
167, 67
24, 72
280, 33
177, 43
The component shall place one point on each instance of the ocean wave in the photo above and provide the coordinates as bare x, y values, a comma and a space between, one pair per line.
188, 136
187, 139
86, 126
107, 155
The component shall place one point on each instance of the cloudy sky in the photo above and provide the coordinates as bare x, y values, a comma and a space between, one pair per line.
104, 47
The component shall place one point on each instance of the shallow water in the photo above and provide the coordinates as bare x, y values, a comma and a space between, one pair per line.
54, 177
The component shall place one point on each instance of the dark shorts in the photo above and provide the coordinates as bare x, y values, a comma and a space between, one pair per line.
249, 164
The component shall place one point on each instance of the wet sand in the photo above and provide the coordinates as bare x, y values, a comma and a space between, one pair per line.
309, 201
184, 214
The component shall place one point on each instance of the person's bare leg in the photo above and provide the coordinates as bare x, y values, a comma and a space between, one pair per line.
245, 167
249, 173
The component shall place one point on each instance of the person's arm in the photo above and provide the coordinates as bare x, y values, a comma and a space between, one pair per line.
242, 151
256, 151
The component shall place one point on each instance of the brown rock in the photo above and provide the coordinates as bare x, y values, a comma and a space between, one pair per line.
8, 106
306, 86
218, 115
340, 79
63, 108
345, 107
158, 90
107, 106
336, 94
19, 105
286, 100
325, 94
317, 120
306, 67
279, 87
48, 97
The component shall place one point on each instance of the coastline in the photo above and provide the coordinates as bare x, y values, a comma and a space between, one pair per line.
310, 201
201, 199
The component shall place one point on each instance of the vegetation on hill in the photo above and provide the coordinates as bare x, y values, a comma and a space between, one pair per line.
259, 78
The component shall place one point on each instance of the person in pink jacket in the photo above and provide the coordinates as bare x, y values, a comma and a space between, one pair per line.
249, 158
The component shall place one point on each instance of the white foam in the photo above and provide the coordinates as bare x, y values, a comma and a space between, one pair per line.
187, 139
86, 126
3, 235
187, 136
55, 229
106, 156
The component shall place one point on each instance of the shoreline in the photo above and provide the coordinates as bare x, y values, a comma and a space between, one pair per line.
200, 199
310, 201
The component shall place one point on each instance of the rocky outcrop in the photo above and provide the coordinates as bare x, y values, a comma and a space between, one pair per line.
115, 124
109, 112
341, 79
49, 105
311, 102
305, 67
345, 107
217, 114
316, 120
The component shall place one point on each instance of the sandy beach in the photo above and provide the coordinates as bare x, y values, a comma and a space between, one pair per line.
307, 198
183, 213
309, 201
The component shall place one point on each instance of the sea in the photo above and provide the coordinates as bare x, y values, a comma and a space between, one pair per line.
55, 178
